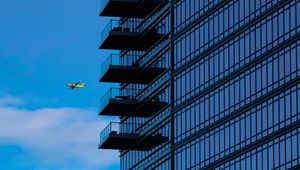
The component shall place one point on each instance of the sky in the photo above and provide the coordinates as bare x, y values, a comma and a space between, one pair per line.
45, 44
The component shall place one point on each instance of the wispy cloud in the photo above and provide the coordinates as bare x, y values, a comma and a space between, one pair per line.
57, 137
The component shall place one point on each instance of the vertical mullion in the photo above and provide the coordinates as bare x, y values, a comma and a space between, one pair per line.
172, 86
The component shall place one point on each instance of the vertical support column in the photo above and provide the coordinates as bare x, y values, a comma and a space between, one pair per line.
172, 89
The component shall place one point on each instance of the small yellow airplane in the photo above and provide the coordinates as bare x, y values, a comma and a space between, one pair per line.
76, 85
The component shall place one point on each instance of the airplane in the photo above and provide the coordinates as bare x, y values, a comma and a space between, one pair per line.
79, 84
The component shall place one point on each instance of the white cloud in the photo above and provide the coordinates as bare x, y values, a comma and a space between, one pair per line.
56, 137
10, 101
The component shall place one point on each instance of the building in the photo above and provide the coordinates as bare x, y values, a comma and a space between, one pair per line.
204, 84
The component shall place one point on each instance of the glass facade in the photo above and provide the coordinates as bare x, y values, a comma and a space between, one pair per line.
232, 85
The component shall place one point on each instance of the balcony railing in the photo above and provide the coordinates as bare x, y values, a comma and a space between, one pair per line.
115, 70
123, 136
111, 25
118, 102
153, 19
113, 59
125, 36
115, 25
117, 128
117, 94
111, 93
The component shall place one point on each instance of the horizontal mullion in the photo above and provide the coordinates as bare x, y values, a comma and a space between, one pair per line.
231, 36
254, 145
238, 112
201, 18
241, 70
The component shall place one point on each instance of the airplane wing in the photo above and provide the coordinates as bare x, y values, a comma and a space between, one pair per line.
77, 83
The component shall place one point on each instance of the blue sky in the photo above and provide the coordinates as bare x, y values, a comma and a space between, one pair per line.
44, 125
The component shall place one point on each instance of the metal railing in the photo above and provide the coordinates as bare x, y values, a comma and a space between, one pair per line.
152, 18
111, 93
112, 59
112, 24
115, 59
116, 25
117, 128
118, 94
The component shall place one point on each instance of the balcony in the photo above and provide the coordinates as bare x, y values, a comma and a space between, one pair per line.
129, 8
116, 103
122, 136
123, 37
113, 70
